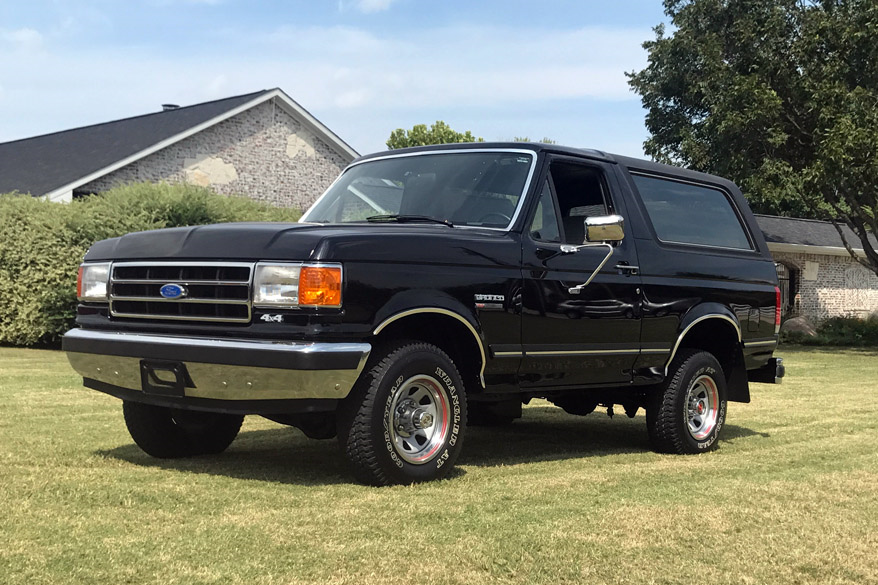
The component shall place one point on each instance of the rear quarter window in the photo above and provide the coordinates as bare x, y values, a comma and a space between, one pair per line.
691, 214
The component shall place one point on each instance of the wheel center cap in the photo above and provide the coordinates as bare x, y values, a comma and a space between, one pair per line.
700, 408
423, 420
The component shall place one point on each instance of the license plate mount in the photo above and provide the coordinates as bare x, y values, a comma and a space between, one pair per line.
163, 378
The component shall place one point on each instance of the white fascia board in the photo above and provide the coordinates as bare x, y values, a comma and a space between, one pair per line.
804, 249
315, 125
60, 196
65, 192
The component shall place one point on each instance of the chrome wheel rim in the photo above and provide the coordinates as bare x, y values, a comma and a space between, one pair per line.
702, 407
419, 419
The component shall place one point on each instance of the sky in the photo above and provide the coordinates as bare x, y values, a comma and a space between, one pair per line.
499, 68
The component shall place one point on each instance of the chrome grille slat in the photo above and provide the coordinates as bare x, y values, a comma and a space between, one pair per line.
186, 300
186, 282
221, 291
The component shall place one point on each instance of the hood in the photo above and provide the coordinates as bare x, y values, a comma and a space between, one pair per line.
297, 242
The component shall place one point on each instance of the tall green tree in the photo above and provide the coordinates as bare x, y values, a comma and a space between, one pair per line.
420, 135
780, 96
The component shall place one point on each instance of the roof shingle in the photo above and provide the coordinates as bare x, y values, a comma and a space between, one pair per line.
41, 164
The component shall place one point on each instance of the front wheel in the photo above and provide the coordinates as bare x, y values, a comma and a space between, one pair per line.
169, 433
405, 418
686, 414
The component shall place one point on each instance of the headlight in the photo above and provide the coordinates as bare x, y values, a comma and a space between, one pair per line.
91, 282
297, 285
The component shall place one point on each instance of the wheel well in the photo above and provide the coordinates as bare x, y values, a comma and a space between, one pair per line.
445, 332
720, 338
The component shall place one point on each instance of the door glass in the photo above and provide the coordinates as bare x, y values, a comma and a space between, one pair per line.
544, 227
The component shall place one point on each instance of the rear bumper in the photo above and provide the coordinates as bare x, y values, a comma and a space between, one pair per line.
226, 370
771, 373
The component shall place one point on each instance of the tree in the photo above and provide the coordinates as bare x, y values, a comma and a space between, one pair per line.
779, 95
545, 140
420, 135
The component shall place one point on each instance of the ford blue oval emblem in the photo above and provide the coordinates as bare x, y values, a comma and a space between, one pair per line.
173, 291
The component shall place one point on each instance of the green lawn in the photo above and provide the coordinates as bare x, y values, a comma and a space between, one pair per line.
791, 496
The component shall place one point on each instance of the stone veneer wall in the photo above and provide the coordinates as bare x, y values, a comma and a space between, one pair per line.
263, 153
831, 286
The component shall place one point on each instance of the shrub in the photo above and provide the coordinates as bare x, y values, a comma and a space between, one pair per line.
42, 244
839, 331
849, 331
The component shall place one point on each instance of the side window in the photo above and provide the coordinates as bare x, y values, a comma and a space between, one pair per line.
581, 193
544, 226
691, 214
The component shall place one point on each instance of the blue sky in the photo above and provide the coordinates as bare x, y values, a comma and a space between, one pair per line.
501, 69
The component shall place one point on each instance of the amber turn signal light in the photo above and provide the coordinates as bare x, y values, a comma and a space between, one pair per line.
320, 286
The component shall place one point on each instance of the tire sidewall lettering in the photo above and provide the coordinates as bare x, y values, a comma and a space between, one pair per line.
455, 413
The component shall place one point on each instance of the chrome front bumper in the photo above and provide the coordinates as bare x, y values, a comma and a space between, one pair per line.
219, 369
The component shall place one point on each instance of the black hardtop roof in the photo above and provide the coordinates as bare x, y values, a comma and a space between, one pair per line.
540, 147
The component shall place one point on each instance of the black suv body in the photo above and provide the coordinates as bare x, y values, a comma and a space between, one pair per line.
434, 286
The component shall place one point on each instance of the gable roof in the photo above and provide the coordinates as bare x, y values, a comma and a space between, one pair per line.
54, 164
788, 234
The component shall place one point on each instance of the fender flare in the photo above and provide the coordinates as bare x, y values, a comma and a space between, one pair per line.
405, 307
697, 315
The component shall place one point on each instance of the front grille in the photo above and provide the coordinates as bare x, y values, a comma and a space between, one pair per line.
215, 291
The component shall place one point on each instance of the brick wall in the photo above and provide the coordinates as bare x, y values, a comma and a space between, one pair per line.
263, 153
831, 286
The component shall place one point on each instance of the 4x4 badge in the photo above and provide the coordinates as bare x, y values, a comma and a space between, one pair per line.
272, 318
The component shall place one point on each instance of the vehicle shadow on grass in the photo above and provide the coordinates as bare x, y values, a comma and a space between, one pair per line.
546, 433
285, 455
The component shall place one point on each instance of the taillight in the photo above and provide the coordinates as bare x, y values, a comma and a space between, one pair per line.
776, 309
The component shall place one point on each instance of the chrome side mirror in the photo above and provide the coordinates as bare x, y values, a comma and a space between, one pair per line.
605, 228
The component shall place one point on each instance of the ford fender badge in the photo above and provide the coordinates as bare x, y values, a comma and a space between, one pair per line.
173, 291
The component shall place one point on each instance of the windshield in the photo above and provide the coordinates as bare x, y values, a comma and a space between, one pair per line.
465, 188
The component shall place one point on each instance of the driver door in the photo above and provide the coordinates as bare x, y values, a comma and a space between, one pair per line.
591, 337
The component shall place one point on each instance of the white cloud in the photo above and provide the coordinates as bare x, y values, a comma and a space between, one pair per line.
462, 65
367, 82
22, 39
367, 6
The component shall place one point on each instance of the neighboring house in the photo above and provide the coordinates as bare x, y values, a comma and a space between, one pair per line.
263, 145
819, 279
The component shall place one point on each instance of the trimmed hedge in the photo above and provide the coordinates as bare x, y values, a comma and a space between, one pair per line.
42, 244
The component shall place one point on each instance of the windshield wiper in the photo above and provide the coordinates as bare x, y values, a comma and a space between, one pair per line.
399, 218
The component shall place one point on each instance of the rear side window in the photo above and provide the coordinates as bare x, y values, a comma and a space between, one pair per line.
691, 214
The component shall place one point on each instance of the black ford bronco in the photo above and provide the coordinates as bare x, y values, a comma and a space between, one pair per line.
436, 287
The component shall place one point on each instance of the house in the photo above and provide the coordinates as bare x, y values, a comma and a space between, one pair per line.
263, 145
818, 277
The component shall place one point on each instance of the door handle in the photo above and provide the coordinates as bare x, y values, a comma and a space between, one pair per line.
626, 266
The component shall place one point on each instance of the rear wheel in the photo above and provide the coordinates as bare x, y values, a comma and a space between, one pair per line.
169, 433
687, 413
405, 418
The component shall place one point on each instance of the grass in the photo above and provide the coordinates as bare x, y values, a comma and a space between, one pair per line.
791, 496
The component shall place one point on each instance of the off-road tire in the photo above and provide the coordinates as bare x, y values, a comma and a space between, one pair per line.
169, 433
672, 417
366, 418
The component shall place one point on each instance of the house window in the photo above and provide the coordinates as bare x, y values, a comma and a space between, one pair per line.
788, 279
